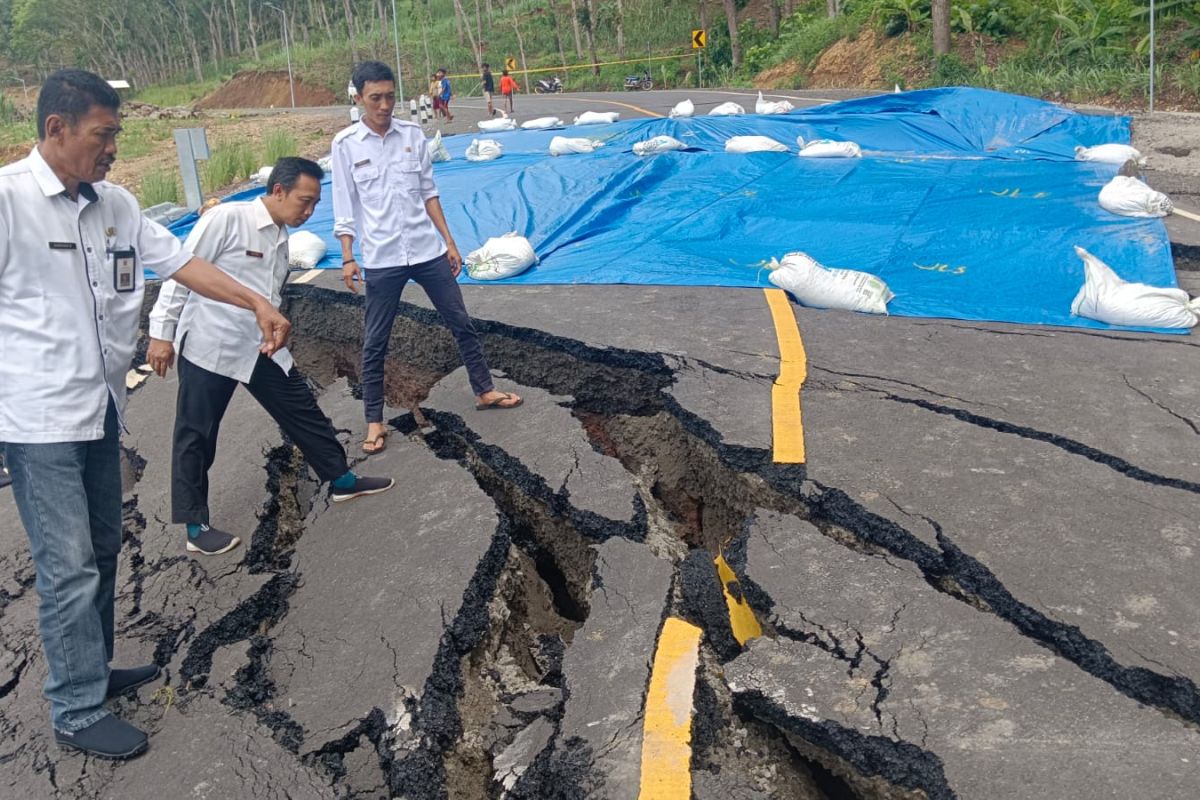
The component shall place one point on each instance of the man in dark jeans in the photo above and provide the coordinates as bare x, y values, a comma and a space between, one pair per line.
383, 192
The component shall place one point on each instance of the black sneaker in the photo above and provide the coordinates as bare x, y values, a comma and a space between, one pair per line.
125, 680
108, 737
212, 542
362, 485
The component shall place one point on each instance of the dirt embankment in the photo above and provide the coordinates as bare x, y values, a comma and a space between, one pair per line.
255, 89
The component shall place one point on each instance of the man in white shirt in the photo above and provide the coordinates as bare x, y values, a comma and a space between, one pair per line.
383, 192
217, 351
72, 252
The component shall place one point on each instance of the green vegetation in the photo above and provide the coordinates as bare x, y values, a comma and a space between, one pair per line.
161, 186
278, 144
229, 163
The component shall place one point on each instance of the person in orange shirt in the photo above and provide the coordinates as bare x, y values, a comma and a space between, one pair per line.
507, 87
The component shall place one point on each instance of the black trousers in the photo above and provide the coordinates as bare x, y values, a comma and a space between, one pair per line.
203, 398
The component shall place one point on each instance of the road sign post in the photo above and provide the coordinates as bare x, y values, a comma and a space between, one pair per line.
699, 42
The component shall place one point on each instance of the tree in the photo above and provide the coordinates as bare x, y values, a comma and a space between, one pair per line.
735, 49
941, 27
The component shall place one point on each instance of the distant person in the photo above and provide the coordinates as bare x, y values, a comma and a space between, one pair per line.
216, 347
435, 95
383, 193
72, 254
354, 111
444, 83
489, 88
507, 87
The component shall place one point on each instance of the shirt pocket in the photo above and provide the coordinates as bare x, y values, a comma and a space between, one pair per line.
368, 182
408, 174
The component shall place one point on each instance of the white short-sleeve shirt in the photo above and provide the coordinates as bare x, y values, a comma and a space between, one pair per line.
245, 243
67, 328
380, 185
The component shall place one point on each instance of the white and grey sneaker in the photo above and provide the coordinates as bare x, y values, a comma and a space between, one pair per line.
212, 542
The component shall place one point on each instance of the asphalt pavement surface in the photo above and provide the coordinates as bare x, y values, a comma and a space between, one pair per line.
980, 583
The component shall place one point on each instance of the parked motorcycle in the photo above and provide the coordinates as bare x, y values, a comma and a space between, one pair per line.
642, 82
551, 86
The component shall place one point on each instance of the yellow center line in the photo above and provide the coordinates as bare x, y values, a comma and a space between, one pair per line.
742, 621
630, 106
667, 726
787, 427
1187, 214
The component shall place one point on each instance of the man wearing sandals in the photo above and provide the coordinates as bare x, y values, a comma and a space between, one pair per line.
383, 192
217, 351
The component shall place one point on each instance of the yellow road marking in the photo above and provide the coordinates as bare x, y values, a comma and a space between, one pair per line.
308, 276
667, 727
1187, 214
787, 427
630, 106
741, 619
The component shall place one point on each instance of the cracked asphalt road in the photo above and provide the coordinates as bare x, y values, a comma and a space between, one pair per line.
981, 585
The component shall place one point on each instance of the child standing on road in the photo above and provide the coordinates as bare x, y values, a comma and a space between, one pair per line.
489, 88
507, 87
435, 95
444, 83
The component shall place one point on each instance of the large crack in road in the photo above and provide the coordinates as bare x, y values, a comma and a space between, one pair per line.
578, 537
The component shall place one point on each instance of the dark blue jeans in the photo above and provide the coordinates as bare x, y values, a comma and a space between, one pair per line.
384, 287
69, 497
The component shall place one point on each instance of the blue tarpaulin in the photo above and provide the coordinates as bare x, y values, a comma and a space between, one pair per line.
968, 203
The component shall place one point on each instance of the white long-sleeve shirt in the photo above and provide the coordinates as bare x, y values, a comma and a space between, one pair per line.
380, 185
68, 316
243, 240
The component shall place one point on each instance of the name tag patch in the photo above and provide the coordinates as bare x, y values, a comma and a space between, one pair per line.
62, 246
362, 163
254, 254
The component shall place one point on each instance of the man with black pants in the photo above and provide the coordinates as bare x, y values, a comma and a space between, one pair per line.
489, 88
383, 191
248, 240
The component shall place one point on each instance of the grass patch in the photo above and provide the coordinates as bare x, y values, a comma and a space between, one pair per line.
160, 186
182, 94
278, 144
229, 163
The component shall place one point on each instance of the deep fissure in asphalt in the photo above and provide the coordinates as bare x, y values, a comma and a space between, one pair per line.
533, 589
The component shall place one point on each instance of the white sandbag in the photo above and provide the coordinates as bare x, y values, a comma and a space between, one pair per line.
762, 106
658, 144
326, 163
683, 109
729, 109
562, 145
821, 287
1110, 154
754, 144
1129, 197
1107, 298
597, 117
828, 148
500, 257
497, 125
305, 249
262, 175
541, 123
437, 148
484, 150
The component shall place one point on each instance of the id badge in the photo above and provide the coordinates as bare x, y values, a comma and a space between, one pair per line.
124, 266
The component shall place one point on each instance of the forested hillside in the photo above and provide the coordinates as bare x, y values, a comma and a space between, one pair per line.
1069, 49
